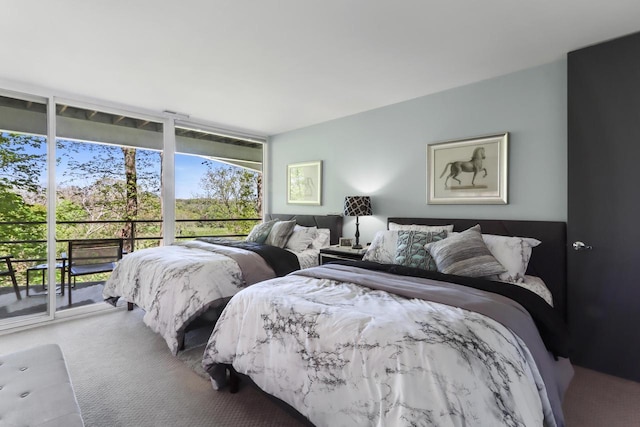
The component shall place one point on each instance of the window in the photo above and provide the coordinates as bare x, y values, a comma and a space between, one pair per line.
218, 183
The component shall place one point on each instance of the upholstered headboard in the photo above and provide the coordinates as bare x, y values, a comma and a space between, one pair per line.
332, 222
548, 259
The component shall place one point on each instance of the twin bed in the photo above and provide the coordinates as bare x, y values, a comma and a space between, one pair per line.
376, 343
188, 283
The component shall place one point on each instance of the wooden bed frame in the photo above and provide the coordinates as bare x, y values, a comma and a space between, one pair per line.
548, 259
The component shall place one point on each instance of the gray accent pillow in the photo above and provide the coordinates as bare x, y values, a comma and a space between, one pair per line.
411, 250
465, 254
280, 233
260, 231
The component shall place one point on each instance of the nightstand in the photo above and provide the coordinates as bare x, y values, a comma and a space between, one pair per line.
335, 252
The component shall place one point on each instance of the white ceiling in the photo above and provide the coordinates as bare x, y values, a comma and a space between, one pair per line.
269, 66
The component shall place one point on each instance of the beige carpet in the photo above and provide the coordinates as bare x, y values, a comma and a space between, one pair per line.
124, 375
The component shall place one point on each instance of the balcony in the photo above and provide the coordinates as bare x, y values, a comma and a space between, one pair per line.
88, 289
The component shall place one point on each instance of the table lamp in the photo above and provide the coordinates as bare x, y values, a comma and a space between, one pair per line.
357, 206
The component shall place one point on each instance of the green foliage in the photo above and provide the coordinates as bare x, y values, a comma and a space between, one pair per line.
94, 189
22, 158
14, 213
230, 192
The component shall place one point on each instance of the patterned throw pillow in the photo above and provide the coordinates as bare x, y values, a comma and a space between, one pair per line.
513, 253
383, 247
260, 231
411, 250
419, 227
280, 233
322, 240
465, 254
301, 238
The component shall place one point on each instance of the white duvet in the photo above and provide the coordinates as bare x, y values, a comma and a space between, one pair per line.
175, 284
345, 355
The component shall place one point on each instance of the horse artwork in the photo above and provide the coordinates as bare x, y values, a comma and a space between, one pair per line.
474, 165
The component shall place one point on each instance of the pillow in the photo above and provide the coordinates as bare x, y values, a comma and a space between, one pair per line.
537, 285
301, 238
260, 231
411, 250
323, 239
280, 233
383, 247
513, 253
417, 227
465, 254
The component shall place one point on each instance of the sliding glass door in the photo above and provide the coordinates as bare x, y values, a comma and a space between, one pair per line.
77, 172
23, 207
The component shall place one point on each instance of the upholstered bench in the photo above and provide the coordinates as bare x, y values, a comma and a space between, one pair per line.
35, 389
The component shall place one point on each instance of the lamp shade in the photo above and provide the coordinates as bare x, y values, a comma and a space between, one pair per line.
357, 206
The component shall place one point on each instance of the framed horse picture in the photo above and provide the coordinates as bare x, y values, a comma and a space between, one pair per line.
468, 171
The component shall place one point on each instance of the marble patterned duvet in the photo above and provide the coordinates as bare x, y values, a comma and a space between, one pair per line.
175, 284
343, 354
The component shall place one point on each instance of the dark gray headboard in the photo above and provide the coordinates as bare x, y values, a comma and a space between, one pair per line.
548, 259
332, 222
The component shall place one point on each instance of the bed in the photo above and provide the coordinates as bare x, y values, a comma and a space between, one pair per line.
188, 283
369, 343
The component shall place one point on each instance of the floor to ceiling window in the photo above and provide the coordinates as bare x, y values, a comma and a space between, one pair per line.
108, 186
143, 180
218, 183
23, 205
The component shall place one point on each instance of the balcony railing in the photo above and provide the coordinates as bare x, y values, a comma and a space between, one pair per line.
134, 241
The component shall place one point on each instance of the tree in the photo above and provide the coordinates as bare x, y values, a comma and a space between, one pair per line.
114, 179
22, 159
234, 193
131, 195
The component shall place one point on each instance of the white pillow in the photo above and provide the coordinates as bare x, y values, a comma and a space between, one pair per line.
537, 285
383, 247
301, 238
513, 253
418, 227
323, 239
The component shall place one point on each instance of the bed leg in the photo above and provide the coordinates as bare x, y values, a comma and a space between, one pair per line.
234, 380
129, 306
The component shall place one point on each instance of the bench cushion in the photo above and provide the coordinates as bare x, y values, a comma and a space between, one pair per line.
35, 389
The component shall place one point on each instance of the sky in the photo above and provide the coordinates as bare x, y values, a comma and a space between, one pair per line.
189, 169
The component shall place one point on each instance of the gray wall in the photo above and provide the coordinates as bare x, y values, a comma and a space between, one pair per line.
382, 152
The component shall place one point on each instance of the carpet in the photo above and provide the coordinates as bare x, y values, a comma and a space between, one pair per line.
192, 357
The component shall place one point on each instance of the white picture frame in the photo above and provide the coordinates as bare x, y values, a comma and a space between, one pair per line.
468, 171
304, 183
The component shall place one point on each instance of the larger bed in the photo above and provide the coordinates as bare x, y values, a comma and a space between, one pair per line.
381, 344
178, 284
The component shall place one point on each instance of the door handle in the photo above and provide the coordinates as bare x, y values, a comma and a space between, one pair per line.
580, 246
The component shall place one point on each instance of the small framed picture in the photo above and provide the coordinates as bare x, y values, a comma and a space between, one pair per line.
304, 183
346, 241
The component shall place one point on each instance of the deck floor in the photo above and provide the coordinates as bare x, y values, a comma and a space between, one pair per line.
84, 293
